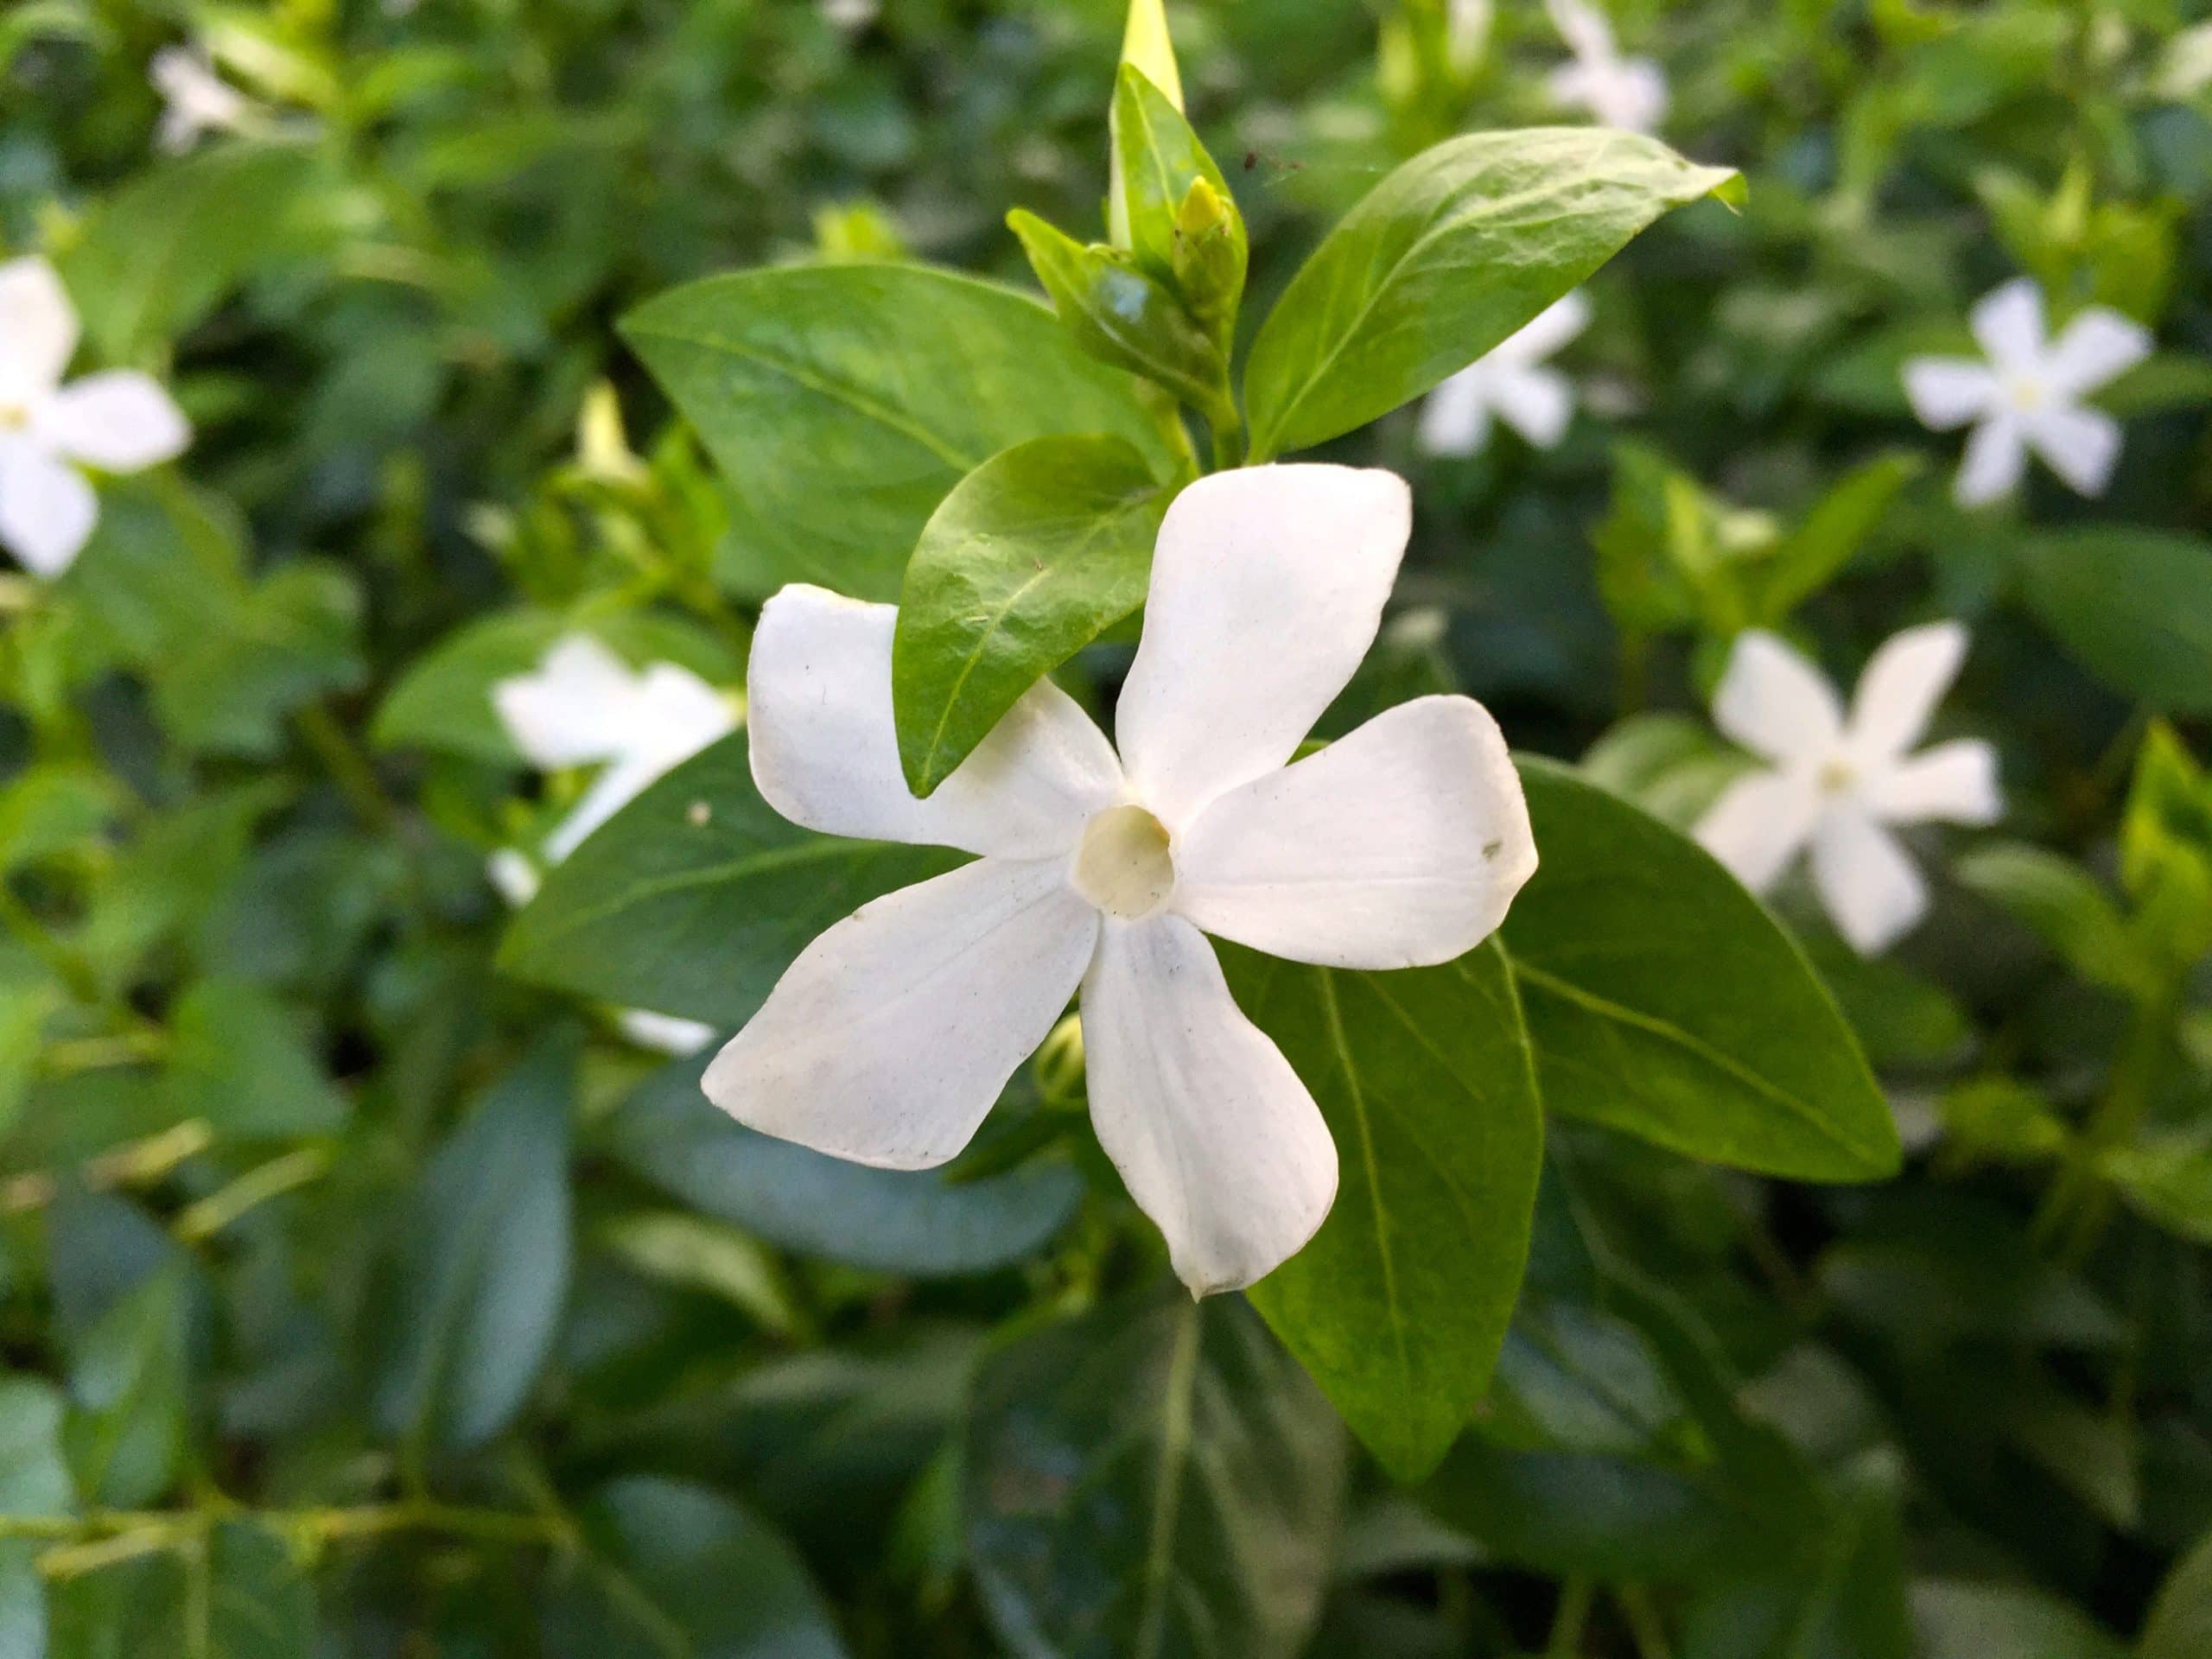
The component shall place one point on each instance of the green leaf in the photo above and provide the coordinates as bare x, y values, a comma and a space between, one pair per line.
443, 703
1157, 1478
925, 1223
1454, 251
695, 897
1840, 523
1662, 1000
257, 1603
1398, 1304
158, 255
842, 402
1147, 48
22, 1596
2180, 1625
290, 640
1031, 556
1120, 315
35, 1477
236, 1058
1196, 244
671, 1569
2062, 902
1957, 1619
126, 1433
2169, 1179
2134, 607
694, 1253
473, 1287
51, 807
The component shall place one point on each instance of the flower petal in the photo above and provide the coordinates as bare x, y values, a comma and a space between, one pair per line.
118, 421
1773, 702
1902, 682
46, 509
1537, 402
1948, 391
38, 330
1870, 887
1215, 1136
1954, 782
1547, 331
667, 1034
1997, 455
577, 707
2080, 445
1455, 419
2097, 346
1268, 584
679, 713
1758, 824
1400, 846
825, 753
618, 784
892, 1035
2008, 324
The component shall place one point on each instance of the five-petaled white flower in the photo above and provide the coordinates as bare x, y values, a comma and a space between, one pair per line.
1630, 93
118, 421
1400, 845
583, 706
1513, 383
195, 100
2028, 394
1838, 782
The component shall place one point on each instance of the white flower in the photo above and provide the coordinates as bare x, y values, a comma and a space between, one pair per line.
118, 421
1511, 383
585, 707
2028, 394
195, 100
513, 875
668, 1034
1838, 782
1630, 93
890, 1037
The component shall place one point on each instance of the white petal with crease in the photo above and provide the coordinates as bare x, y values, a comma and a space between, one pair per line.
1867, 882
1773, 702
38, 330
825, 752
891, 1036
1903, 681
1267, 585
1954, 782
1215, 1136
118, 421
1399, 846
2080, 445
46, 509
1758, 824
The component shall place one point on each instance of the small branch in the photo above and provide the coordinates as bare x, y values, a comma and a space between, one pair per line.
136, 1163
210, 1215
348, 767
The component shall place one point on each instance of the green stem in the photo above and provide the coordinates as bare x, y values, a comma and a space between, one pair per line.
2080, 1198
100, 1538
1645, 1627
1574, 1613
348, 767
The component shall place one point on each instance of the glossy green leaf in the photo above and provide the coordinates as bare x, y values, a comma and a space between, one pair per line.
1155, 1479
2134, 607
1398, 1304
1664, 1000
668, 1568
1199, 246
1031, 556
473, 1288
922, 1222
1451, 254
1121, 314
842, 402
695, 897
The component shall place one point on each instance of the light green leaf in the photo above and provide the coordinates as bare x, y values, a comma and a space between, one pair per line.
53, 806
35, 1476
1198, 245
1156, 1478
1147, 48
669, 1569
695, 1253
1451, 254
1955, 1618
1120, 315
2180, 1625
473, 1287
695, 897
237, 1058
842, 402
1030, 556
924, 1223
1840, 522
2134, 607
2062, 903
291, 639
2169, 1179
1398, 1304
126, 1432
22, 1596
1662, 1000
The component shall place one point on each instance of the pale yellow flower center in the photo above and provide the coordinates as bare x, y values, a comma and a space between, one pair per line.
2026, 393
1123, 865
14, 417
1836, 776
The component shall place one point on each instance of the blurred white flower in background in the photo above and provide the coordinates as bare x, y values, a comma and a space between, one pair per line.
890, 1037
1838, 782
2028, 392
118, 421
195, 100
1512, 383
1630, 93
668, 1034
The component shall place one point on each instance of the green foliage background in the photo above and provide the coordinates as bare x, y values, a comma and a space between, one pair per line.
364, 1289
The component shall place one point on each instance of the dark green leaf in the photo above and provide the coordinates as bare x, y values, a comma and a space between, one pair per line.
1664, 1000
1399, 1304
236, 1058
1030, 558
2062, 902
1155, 1479
2180, 1625
1840, 523
1446, 256
695, 897
2133, 606
842, 402
35, 1476
479, 1267
126, 1432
